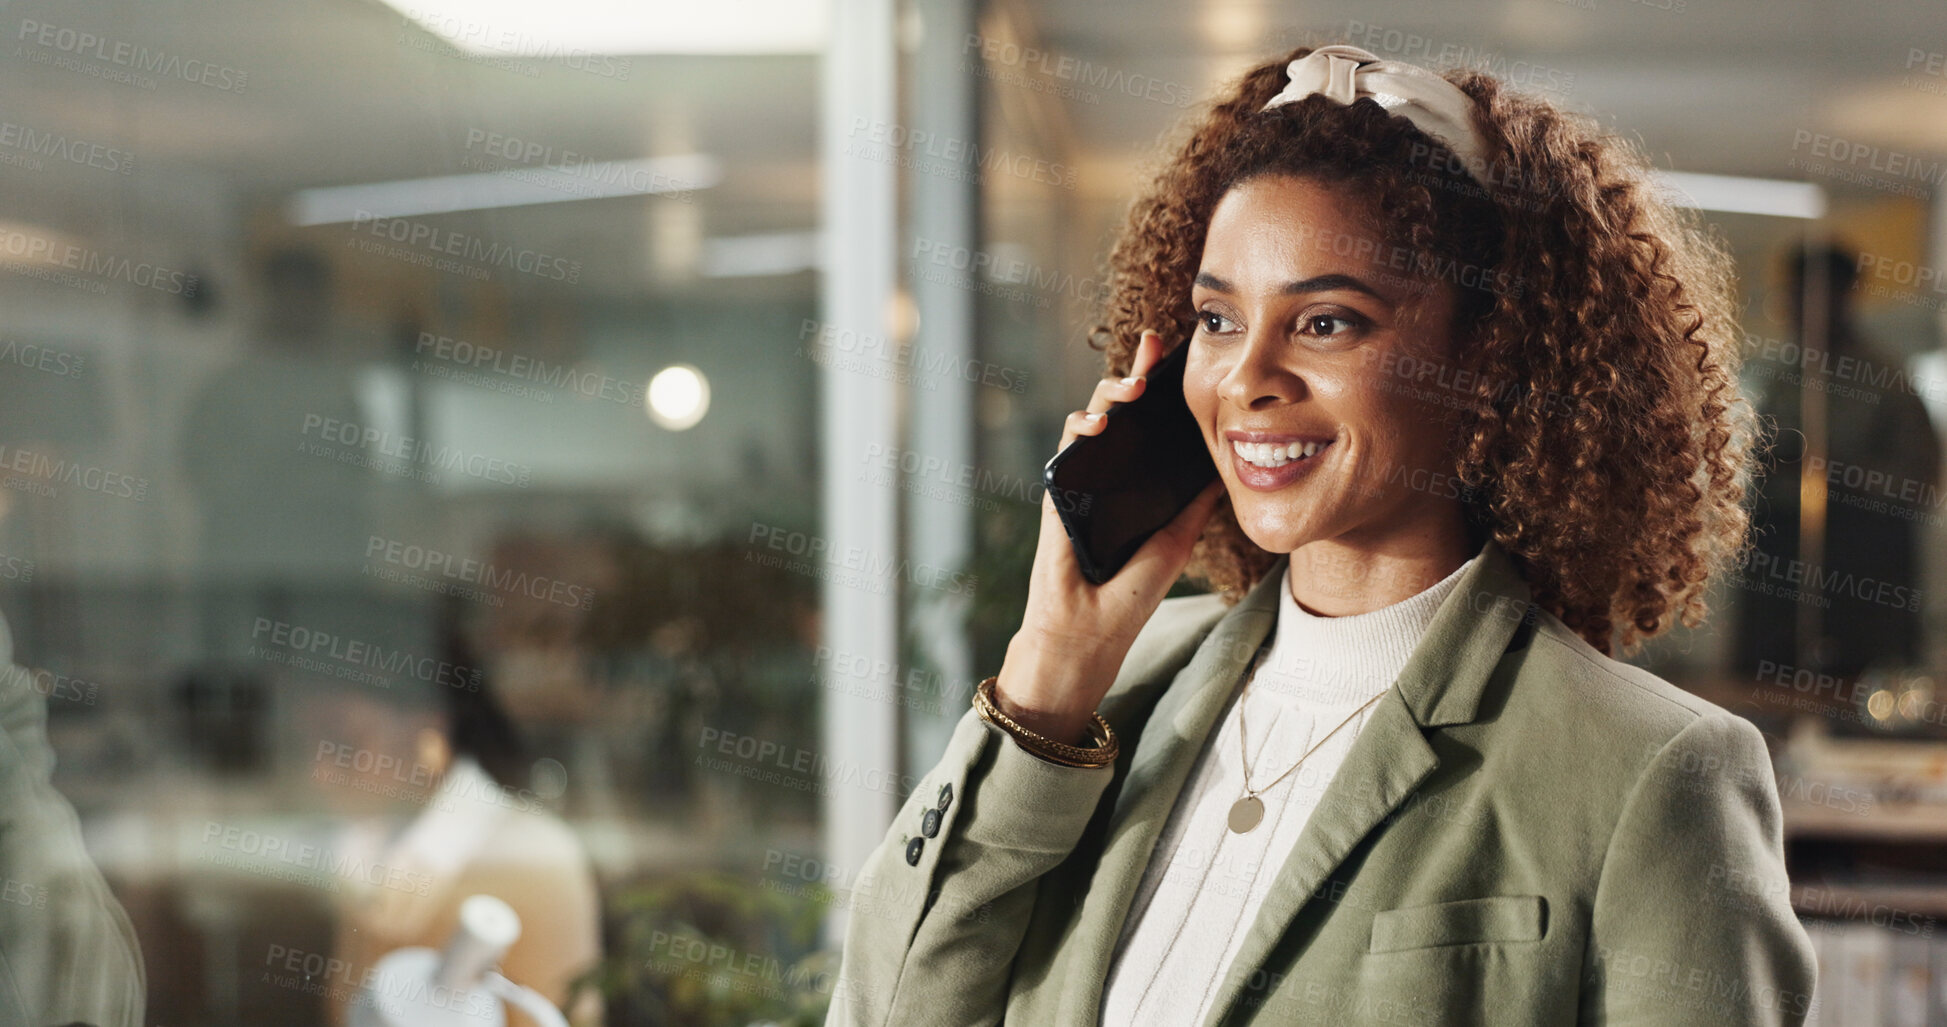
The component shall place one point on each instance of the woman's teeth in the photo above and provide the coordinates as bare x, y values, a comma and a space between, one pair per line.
1271, 454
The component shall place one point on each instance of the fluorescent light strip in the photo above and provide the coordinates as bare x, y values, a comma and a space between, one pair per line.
509, 187
1732, 194
575, 28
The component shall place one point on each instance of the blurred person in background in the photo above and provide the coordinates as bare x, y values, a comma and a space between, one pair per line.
1882, 477
1469, 383
68, 953
434, 778
282, 515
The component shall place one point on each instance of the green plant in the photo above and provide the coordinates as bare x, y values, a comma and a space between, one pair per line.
715, 948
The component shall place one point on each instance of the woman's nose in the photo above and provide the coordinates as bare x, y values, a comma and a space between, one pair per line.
1257, 379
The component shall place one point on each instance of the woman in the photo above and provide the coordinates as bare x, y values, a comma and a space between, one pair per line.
459, 822
1470, 388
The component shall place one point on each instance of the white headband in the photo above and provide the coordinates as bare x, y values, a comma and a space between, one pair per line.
1433, 104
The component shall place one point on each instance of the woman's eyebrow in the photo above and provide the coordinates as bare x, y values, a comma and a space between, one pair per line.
1327, 283
1212, 282
1317, 283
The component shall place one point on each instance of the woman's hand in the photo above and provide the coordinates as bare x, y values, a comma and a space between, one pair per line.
1074, 635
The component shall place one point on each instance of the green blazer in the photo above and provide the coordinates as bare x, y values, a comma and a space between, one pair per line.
1525, 832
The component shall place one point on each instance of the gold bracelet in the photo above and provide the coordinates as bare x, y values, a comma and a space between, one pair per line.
1103, 754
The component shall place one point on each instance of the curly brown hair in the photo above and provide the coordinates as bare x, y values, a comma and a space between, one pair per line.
1600, 432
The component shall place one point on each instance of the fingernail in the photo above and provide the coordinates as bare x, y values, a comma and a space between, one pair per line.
1132, 379
1091, 417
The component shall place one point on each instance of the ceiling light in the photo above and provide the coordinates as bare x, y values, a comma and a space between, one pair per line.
1733, 194
516, 186
571, 28
678, 397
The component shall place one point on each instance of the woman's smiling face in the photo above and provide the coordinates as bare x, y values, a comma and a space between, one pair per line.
1306, 343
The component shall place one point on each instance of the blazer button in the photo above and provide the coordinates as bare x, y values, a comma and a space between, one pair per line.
946, 796
929, 823
912, 851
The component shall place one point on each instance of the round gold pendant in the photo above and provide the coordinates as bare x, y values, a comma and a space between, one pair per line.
1246, 813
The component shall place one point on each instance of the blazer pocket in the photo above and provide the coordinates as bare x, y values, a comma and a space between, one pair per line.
1461, 922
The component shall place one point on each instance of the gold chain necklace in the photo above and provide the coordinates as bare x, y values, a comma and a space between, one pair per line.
1246, 813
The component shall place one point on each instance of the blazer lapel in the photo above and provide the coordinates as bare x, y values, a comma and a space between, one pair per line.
1169, 742
1441, 684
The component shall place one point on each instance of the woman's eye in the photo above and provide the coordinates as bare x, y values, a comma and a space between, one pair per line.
1329, 324
1212, 321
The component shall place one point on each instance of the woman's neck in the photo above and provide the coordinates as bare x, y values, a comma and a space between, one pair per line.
1338, 578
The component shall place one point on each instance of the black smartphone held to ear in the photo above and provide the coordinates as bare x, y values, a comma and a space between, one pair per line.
1116, 488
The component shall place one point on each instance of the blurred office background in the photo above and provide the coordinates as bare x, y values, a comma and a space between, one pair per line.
638, 409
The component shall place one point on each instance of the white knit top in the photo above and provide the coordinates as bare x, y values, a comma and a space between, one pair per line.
1204, 883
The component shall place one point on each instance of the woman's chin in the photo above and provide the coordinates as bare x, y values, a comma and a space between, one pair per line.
1276, 535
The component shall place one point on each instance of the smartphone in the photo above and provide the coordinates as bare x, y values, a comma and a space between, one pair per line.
1114, 489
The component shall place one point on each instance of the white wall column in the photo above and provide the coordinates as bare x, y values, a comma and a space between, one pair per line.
945, 206
859, 205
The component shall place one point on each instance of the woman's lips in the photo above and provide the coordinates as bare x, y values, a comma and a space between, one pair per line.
1278, 451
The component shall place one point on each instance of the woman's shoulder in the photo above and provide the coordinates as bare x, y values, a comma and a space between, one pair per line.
1582, 748
1596, 704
